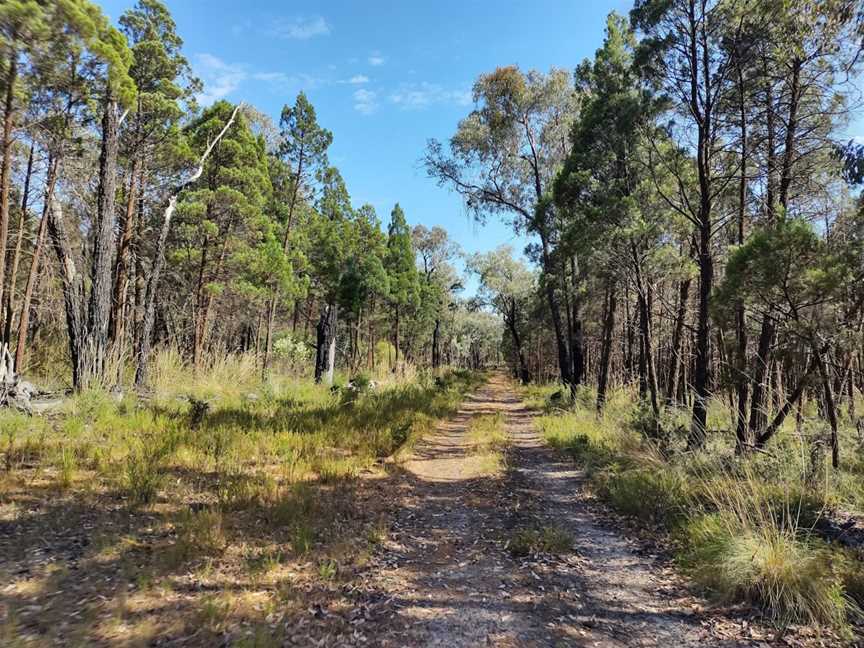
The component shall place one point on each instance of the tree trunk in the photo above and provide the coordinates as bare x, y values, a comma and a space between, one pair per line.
99, 307
6, 168
32, 276
701, 375
72, 284
510, 320
124, 247
830, 407
677, 340
325, 350
19, 242
606, 349
436, 351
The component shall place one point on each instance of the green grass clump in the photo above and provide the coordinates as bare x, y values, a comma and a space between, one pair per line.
548, 539
741, 525
199, 533
143, 468
795, 580
489, 440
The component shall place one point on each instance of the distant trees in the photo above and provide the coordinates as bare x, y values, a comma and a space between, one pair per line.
209, 231
507, 285
503, 160
688, 198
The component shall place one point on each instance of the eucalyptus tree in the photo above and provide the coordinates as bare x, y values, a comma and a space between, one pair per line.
502, 160
507, 285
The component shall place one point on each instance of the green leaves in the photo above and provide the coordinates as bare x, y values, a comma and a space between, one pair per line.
785, 269
404, 286
104, 41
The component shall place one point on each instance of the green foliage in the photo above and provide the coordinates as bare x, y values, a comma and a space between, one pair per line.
742, 528
548, 539
786, 267
401, 270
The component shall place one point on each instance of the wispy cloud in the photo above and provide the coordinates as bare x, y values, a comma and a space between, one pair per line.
220, 78
365, 101
417, 96
288, 82
376, 59
301, 28
358, 79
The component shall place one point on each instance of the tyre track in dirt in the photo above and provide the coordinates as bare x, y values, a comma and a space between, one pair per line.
449, 580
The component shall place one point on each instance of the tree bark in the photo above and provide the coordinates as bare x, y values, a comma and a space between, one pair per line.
72, 283
677, 340
19, 242
149, 317
6, 168
124, 247
511, 322
95, 348
606, 349
325, 350
33, 275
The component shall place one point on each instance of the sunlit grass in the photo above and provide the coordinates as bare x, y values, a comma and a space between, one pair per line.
487, 436
742, 525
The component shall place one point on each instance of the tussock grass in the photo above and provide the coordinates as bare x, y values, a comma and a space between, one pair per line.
742, 526
489, 441
218, 473
548, 539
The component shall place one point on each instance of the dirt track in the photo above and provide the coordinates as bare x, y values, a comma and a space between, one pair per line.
450, 580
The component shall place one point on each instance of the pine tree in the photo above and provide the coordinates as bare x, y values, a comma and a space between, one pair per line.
401, 269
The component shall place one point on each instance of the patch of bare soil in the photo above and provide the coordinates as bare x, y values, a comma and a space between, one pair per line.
446, 576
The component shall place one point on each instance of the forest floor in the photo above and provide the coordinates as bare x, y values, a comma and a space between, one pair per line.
450, 576
479, 534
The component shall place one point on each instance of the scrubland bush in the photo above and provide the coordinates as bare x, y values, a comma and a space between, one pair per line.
742, 526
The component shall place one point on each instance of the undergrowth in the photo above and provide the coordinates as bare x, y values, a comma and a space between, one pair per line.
741, 526
217, 474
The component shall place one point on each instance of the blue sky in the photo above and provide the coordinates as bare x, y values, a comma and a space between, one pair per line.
384, 77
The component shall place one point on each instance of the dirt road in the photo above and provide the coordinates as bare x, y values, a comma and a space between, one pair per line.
450, 579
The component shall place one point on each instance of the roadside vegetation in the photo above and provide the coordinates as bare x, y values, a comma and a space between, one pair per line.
747, 529
489, 441
239, 489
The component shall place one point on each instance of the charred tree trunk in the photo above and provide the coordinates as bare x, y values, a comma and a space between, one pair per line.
95, 348
606, 349
325, 350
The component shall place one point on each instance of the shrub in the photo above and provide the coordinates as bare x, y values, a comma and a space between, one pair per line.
793, 580
143, 468
651, 494
200, 533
